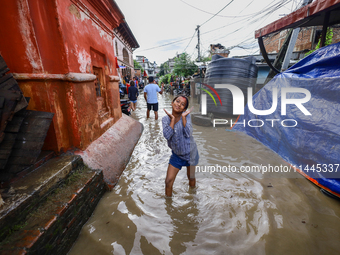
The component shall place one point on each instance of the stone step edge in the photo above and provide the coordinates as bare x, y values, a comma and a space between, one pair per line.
29, 191
43, 158
44, 240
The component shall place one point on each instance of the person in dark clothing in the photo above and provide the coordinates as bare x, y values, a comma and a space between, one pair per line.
133, 94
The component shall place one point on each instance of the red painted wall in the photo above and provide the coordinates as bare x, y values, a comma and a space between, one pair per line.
60, 37
18, 45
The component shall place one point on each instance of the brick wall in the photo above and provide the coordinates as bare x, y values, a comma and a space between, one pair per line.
336, 34
307, 39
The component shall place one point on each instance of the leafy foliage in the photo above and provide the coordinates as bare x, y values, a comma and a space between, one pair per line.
205, 59
184, 67
164, 69
136, 65
328, 41
165, 78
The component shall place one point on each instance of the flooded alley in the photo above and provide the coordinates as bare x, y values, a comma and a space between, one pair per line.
227, 213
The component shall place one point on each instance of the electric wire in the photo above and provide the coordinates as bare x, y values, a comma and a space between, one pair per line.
264, 12
233, 23
238, 22
224, 16
155, 47
217, 12
190, 40
227, 16
159, 46
264, 15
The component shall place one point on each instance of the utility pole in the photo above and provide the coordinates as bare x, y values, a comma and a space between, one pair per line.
198, 44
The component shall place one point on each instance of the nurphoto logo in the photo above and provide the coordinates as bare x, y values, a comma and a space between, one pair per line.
238, 103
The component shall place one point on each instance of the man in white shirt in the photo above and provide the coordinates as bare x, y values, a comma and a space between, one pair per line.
150, 95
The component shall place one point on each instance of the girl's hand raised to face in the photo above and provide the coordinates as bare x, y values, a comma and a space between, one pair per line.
184, 114
169, 114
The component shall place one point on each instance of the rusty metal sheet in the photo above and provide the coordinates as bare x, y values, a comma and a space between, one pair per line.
11, 97
308, 15
6, 148
3, 66
29, 140
14, 125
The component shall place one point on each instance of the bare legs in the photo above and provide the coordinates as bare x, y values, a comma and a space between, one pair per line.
148, 114
133, 106
170, 179
171, 176
191, 176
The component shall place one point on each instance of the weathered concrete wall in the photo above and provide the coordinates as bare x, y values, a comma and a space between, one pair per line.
18, 45
87, 34
112, 151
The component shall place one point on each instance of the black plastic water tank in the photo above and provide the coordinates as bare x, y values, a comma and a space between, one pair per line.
235, 71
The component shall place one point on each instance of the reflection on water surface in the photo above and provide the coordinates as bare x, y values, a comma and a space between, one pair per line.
226, 214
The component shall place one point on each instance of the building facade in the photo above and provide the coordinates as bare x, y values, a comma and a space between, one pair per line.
62, 53
171, 62
125, 43
149, 67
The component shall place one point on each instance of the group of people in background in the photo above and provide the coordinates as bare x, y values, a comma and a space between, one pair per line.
150, 94
177, 130
135, 81
132, 90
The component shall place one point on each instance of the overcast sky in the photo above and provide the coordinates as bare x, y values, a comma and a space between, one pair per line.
155, 23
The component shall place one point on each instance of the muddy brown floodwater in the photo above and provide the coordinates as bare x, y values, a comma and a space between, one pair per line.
228, 213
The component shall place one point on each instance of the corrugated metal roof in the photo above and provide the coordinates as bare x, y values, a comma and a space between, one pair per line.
312, 14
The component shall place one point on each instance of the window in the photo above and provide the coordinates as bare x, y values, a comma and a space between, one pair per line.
116, 44
99, 81
125, 56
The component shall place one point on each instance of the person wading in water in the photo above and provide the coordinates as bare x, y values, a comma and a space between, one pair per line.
150, 95
177, 130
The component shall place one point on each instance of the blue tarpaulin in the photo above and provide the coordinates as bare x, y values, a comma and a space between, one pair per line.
309, 142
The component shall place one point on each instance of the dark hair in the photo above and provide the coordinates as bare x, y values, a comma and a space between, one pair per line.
150, 79
132, 83
186, 107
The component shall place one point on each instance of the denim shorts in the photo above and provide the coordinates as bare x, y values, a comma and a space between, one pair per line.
177, 161
133, 101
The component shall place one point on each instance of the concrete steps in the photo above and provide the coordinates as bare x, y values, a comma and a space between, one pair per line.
45, 211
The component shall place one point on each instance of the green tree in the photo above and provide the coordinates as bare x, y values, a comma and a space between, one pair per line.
184, 67
205, 59
328, 41
164, 69
136, 65
165, 78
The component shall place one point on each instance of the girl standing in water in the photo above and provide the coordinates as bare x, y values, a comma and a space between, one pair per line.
177, 130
